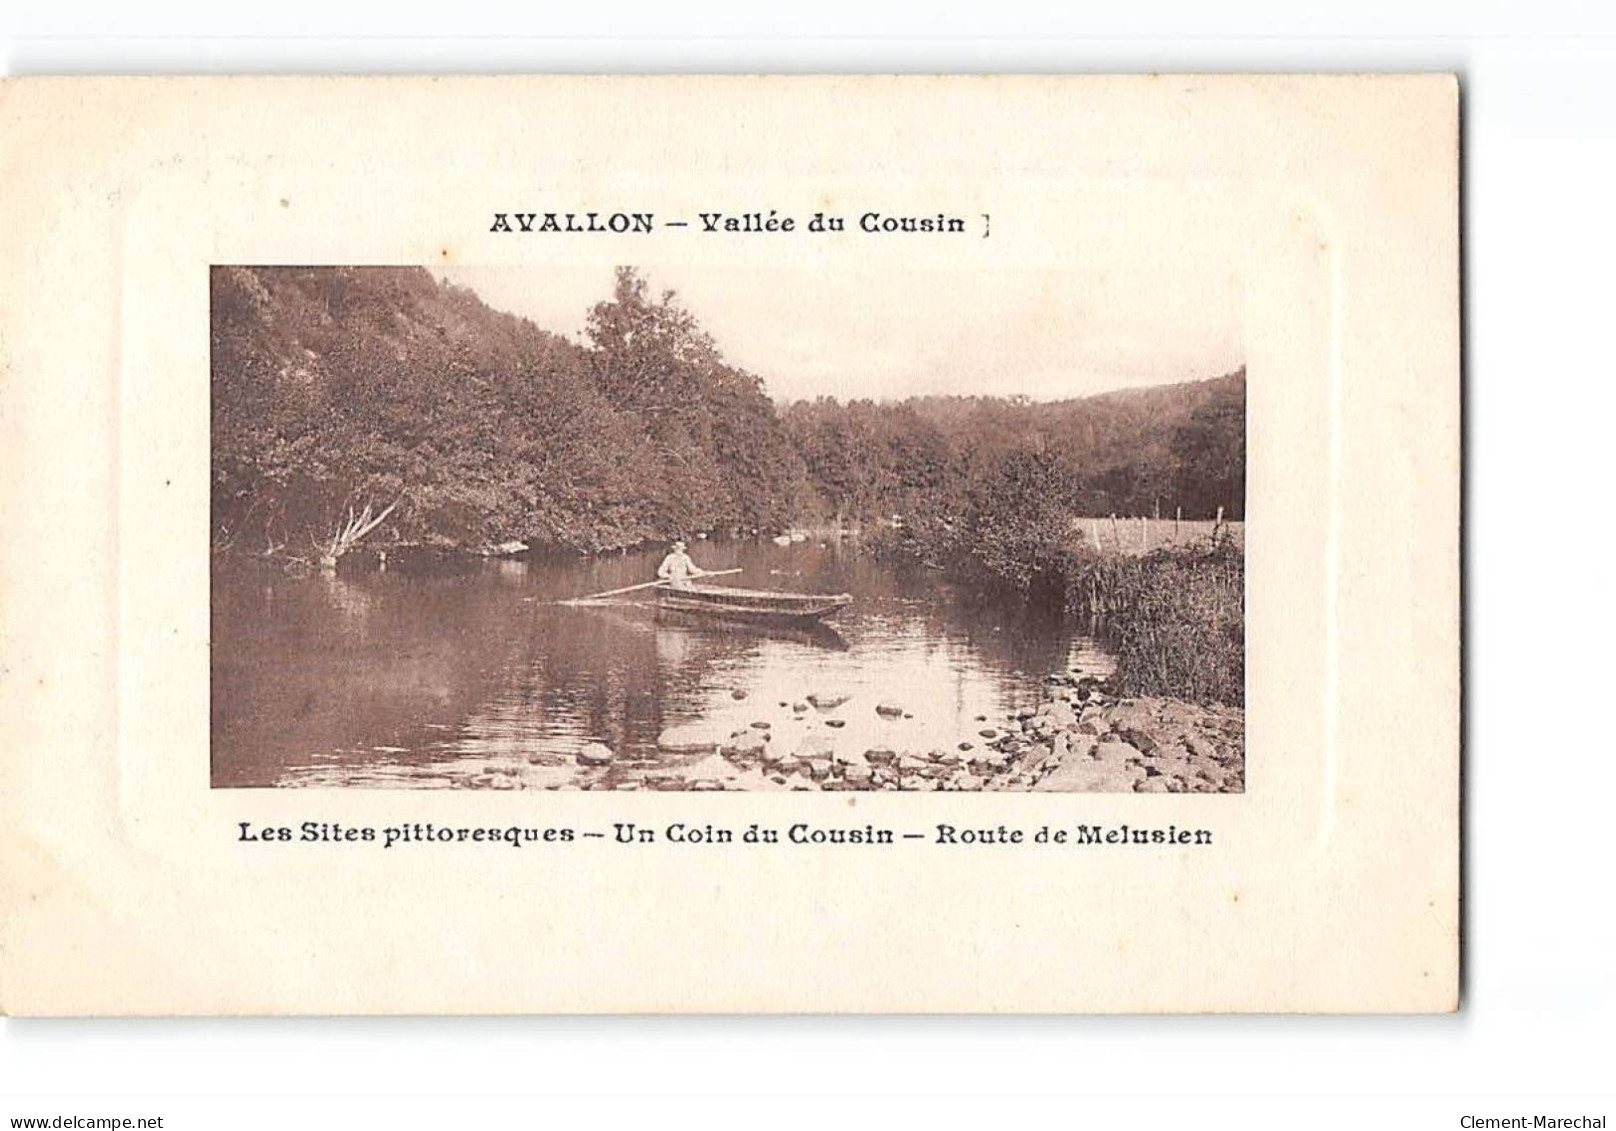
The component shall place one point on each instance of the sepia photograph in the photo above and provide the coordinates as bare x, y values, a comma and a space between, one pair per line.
754, 529
462, 525
520, 574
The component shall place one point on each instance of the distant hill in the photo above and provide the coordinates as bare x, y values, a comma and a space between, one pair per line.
1132, 451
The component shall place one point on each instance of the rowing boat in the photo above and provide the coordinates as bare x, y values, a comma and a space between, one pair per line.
810, 633
757, 605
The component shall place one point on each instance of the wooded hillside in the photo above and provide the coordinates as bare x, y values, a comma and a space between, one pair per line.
344, 387
1135, 452
341, 389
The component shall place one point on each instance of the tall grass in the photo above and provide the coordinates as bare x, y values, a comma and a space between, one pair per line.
1175, 617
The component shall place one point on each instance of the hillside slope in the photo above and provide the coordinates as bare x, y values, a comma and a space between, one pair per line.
345, 387
336, 389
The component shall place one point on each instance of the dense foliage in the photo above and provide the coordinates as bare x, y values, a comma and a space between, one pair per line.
337, 389
1147, 451
994, 491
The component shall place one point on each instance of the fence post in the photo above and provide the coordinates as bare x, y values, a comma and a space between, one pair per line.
1178, 518
1144, 534
1094, 528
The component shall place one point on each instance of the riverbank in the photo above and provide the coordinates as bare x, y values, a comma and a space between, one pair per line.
1174, 615
1081, 738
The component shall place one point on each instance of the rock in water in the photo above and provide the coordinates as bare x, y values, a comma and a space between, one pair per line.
880, 757
1116, 753
737, 694
838, 723
711, 770
815, 745
817, 768
827, 701
1136, 737
1059, 712
595, 754
909, 764
760, 725
746, 744
888, 711
1130, 713
754, 780
1082, 775
995, 760
691, 738
782, 763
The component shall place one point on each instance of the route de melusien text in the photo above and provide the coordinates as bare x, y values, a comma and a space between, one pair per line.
682, 833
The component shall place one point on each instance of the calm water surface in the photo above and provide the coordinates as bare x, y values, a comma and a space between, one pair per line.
404, 679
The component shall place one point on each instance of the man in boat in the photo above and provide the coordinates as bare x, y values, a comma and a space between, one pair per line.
678, 568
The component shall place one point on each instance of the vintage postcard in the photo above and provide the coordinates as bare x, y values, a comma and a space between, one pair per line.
623, 544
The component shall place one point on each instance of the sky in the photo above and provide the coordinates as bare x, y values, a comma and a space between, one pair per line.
1154, 315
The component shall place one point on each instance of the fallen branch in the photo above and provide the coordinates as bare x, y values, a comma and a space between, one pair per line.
354, 529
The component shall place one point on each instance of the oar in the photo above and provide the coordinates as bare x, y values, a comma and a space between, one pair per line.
643, 585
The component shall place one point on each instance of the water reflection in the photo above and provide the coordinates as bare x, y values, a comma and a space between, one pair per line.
478, 677
816, 634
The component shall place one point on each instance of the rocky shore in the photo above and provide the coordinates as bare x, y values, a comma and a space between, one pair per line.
1081, 738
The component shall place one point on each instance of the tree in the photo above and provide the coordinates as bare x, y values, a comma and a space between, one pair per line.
341, 389
1211, 455
382, 403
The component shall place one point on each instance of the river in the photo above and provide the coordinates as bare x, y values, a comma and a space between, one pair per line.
476, 675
